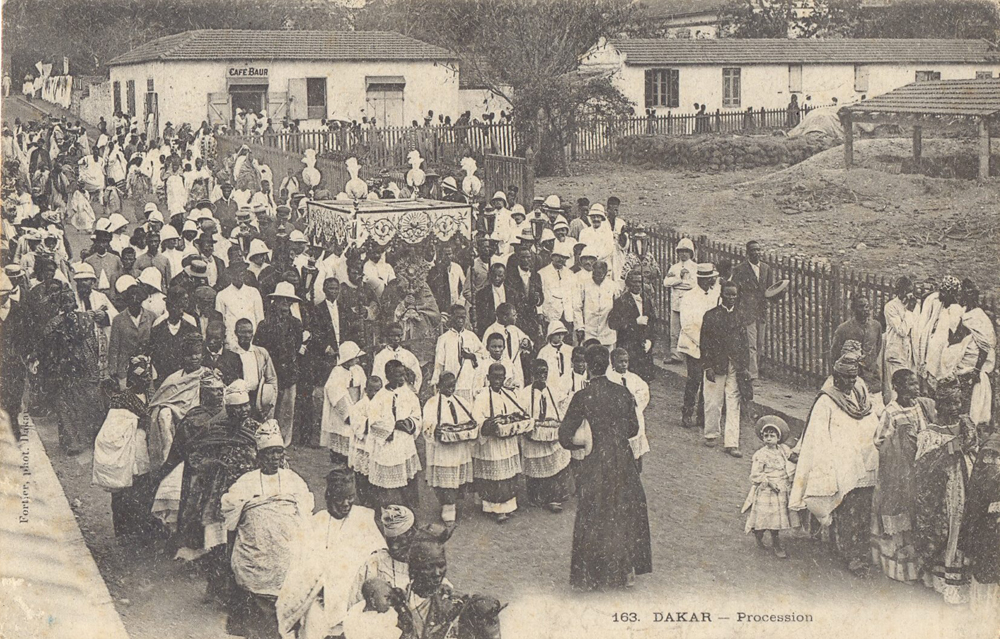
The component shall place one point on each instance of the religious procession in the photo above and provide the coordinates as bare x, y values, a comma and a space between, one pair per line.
295, 370
187, 349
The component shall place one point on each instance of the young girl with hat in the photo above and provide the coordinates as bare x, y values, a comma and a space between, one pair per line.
771, 475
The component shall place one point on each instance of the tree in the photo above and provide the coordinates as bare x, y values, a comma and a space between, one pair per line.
830, 19
756, 18
963, 19
524, 50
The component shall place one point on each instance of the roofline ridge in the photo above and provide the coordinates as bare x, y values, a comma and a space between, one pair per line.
188, 35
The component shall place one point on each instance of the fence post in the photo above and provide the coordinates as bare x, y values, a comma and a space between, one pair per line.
836, 291
528, 187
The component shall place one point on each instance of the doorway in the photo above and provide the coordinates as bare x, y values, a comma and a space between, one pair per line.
249, 97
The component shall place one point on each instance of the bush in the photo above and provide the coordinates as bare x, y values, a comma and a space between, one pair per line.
719, 152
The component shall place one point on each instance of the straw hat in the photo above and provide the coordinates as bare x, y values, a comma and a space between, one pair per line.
772, 422
706, 270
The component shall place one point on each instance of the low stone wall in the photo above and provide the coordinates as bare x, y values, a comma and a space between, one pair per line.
720, 153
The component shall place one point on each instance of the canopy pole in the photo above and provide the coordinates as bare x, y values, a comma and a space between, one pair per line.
917, 144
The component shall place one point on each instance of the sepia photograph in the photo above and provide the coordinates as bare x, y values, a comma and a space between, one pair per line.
483, 319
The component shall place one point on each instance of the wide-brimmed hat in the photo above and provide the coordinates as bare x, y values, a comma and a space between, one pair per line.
706, 270
349, 351
552, 202
775, 422
124, 283
685, 244
555, 327
547, 236
117, 222
83, 271
560, 223
151, 276
257, 247
103, 225
285, 290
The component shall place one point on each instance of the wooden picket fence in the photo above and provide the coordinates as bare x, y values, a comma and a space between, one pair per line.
590, 138
800, 324
599, 138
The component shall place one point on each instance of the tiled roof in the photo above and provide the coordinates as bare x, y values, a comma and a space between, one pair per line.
940, 97
642, 52
232, 44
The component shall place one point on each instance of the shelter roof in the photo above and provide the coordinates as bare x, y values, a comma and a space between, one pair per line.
939, 97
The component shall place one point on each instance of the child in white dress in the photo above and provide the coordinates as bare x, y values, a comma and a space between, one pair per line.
771, 475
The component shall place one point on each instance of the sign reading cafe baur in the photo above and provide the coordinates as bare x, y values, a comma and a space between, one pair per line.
247, 72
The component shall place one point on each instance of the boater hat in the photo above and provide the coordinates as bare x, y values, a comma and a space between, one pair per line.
706, 270
197, 268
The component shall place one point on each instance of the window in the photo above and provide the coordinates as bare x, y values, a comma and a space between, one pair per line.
730, 88
662, 88
130, 97
984, 75
316, 98
117, 95
927, 76
794, 78
860, 78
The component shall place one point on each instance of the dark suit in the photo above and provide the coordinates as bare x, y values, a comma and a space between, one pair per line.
128, 340
188, 282
226, 362
220, 268
723, 341
165, 349
752, 307
529, 298
631, 336
486, 311
323, 333
724, 351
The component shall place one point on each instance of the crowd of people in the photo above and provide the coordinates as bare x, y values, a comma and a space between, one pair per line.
187, 349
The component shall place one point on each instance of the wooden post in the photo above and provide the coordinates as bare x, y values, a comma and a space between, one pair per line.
917, 144
984, 149
846, 120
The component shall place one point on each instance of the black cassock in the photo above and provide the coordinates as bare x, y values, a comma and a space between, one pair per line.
611, 534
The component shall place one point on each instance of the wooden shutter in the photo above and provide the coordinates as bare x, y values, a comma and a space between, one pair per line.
795, 78
277, 106
860, 78
650, 75
220, 109
674, 88
298, 103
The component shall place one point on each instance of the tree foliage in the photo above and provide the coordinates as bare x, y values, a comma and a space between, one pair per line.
524, 50
852, 19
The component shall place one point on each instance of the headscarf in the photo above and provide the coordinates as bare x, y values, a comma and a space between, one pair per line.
139, 367
396, 520
855, 402
950, 284
211, 379
268, 435
237, 393
849, 362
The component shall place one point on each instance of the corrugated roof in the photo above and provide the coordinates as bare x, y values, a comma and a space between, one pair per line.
233, 44
939, 97
645, 52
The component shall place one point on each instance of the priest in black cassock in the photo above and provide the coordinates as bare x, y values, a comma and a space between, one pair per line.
611, 543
